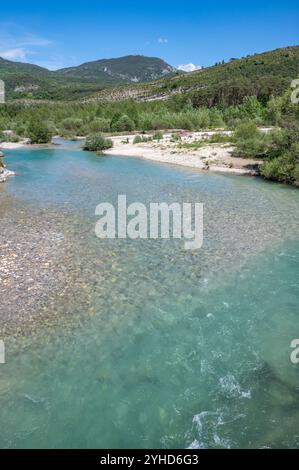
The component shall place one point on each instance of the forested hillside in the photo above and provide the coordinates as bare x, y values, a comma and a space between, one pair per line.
260, 75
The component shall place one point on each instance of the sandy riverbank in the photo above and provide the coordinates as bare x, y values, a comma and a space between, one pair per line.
4, 174
13, 145
212, 157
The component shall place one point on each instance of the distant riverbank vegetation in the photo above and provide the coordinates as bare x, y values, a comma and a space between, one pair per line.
279, 149
97, 143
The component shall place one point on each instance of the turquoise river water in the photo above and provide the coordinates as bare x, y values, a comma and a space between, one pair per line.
141, 344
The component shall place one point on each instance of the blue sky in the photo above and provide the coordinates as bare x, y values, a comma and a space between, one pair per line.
57, 34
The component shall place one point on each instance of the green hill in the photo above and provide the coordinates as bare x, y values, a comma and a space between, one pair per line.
34, 82
260, 75
133, 68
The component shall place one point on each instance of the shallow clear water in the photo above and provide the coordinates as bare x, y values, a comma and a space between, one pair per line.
148, 345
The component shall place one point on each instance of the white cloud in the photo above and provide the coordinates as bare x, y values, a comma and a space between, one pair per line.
189, 67
18, 53
16, 43
163, 41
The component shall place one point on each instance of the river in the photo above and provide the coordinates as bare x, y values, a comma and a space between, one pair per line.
140, 343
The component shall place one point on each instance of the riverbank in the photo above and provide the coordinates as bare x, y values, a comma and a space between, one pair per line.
174, 148
178, 151
4, 174
13, 145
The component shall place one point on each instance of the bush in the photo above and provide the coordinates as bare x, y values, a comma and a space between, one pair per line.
246, 130
176, 137
100, 125
219, 139
252, 108
137, 139
72, 125
158, 136
250, 142
216, 118
123, 124
39, 133
277, 142
97, 143
282, 169
274, 110
13, 138
21, 130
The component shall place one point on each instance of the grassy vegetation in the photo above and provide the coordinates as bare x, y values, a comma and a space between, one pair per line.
97, 143
279, 148
158, 135
195, 145
138, 139
70, 119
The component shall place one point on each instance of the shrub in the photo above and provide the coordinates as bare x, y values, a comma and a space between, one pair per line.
176, 137
246, 130
252, 108
137, 139
38, 132
100, 125
274, 110
277, 142
51, 126
201, 118
158, 136
250, 142
195, 145
123, 124
216, 118
219, 139
282, 169
97, 143
74, 125
13, 138
21, 130
251, 148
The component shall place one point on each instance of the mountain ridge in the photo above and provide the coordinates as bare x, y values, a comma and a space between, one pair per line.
24, 80
262, 75
134, 68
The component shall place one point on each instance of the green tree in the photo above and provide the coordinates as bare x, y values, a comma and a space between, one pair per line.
97, 143
123, 124
38, 132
